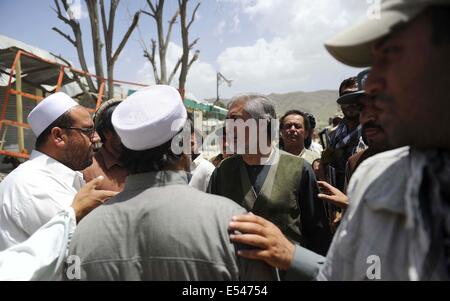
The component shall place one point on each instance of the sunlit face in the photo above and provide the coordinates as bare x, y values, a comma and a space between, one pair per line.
80, 146
237, 112
409, 83
293, 130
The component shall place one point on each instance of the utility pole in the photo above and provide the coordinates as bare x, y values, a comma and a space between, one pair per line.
220, 77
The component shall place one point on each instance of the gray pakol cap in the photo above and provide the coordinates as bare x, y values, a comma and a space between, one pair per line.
353, 46
149, 117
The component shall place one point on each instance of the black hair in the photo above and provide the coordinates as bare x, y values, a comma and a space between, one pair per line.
440, 24
103, 122
312, 121
296, 112
307, 125
152, 160
348, 83
63, 121
312, 124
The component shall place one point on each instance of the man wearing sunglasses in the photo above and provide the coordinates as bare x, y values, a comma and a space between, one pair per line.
44, 185
345, 139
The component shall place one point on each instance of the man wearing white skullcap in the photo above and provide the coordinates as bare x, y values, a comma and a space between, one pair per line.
159, 228
39, 188
397, 226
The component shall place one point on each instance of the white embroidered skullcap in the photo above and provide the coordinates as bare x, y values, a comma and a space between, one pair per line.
48, 110
149, 117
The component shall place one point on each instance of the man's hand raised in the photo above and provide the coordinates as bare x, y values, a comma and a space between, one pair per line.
88, 198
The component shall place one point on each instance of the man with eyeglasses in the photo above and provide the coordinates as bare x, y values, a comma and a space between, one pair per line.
44, 185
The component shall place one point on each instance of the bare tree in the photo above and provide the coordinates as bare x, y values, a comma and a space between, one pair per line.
156, 12
187, 46
97, 43
78, 41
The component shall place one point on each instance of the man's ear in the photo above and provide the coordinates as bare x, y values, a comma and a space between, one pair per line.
57, 137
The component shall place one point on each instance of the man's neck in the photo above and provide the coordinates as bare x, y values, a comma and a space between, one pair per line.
52, 153
351, 124
111, 151
375, 149
256, 159
48, 151
294, 149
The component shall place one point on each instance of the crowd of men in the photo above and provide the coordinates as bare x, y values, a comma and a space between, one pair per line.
154, 208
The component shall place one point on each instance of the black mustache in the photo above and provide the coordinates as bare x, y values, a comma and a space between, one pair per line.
371, 124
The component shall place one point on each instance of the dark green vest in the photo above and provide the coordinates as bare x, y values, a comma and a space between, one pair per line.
277, 200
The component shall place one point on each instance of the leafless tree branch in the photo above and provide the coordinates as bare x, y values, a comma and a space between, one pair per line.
169, 30
193, 16
126, 36
194, 58
193, 44
148, 13
68, 38
175, 70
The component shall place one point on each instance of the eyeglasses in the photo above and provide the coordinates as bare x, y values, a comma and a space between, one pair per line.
87, 131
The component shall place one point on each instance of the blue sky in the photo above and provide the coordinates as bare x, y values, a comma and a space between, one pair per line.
263, 45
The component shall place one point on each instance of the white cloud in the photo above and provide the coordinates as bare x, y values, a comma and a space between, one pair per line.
201, 77
293, 58
235, 25
76, 10
288, 55
220, 28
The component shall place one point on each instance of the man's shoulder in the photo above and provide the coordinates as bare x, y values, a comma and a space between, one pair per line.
382, 161
197, 198
378, 175
291, 162
168, 200
25, 173
230, 162
206, 165
172, 193
310, 156
355, 157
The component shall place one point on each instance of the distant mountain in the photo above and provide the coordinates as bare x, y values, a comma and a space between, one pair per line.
322, 104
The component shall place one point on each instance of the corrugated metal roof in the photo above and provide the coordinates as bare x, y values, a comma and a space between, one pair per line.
35, 72
204, 107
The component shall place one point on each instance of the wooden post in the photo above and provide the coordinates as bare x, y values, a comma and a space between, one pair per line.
19, 107
39, 94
